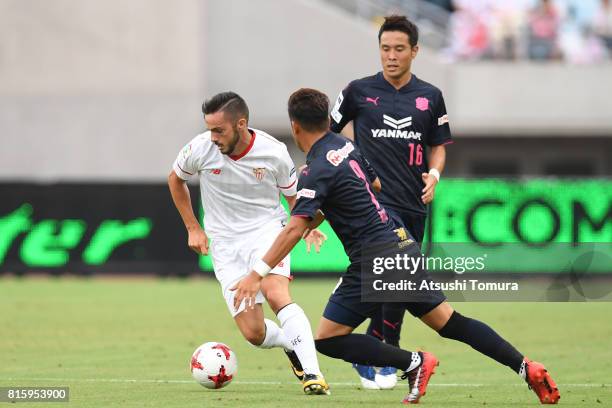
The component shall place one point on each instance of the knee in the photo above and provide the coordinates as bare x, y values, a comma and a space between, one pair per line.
254, 336
321, 335
277, 298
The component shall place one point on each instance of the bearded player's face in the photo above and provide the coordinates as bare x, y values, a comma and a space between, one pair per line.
223, 132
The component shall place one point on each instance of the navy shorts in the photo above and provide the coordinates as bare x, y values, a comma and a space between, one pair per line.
346, 307
414, 222
348, 310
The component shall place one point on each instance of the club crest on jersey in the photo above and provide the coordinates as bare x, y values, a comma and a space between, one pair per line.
259, 173
422, 103
336, 157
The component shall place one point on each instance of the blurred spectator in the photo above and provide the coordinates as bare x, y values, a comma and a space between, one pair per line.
543, 27
576, 31
444, 4
578, 43
602, 22
506, 22
469, 35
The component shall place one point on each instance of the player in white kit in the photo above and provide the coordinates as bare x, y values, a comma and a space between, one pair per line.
242, 172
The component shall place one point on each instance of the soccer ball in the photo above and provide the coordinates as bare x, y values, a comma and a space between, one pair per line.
213, 365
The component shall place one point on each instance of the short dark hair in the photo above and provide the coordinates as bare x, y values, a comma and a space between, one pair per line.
400, 23
229, 102
309, 108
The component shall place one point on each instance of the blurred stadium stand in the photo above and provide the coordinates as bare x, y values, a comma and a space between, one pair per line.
111, 90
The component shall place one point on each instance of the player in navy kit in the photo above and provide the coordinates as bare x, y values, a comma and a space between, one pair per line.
401, 126
335, 184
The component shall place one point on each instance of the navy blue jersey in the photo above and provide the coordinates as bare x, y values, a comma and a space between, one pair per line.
337, 182
392, 129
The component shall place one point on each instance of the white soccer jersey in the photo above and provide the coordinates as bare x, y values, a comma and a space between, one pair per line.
239, 194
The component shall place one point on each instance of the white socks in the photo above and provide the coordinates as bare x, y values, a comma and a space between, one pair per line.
523, 371
275, 337
295, 335
297, 330
415, 361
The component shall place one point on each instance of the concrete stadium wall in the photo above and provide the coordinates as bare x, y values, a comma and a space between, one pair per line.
98, 89
111, 90
524, 99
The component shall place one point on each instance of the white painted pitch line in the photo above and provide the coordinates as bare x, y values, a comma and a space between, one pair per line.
342, 384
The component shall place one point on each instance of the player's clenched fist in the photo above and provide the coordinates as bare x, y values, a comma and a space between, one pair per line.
198, 241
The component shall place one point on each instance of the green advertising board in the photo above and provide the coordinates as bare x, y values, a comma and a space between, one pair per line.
518, 224
521, 226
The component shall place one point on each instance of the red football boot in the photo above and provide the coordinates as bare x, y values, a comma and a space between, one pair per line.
541, 382
419, 377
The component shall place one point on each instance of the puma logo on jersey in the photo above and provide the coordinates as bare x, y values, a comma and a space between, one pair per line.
373, 100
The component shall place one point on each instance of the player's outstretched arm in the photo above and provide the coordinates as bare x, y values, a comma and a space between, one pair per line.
286, 240
197, 240
289, 236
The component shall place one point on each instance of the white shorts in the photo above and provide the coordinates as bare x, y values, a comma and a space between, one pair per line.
233, 259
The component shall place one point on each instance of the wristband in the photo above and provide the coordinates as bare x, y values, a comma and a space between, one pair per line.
261, 268
434, 172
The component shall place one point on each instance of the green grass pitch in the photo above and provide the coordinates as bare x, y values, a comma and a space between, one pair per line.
127, 343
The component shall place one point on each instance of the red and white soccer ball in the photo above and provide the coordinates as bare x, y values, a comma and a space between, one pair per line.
213, 365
